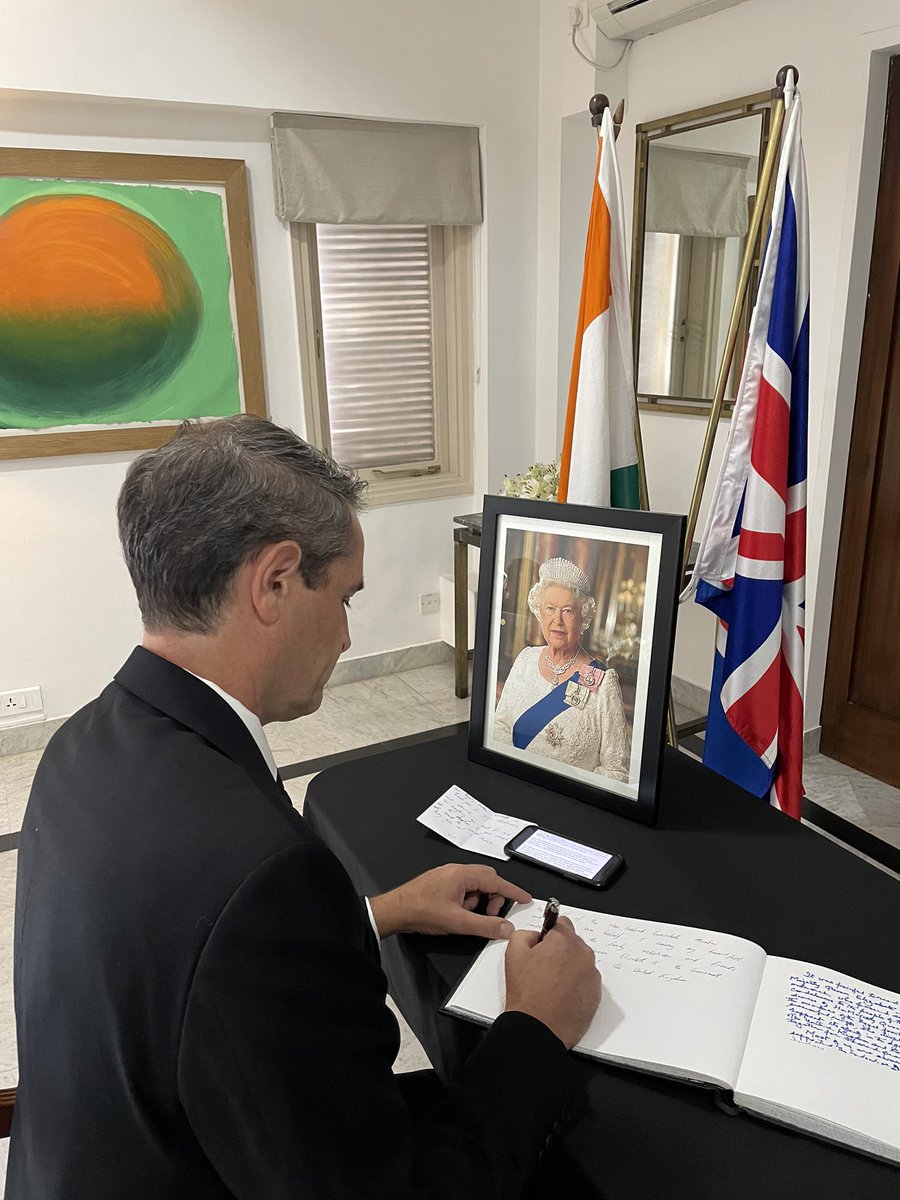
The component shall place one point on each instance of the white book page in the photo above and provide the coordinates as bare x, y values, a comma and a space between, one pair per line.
824, 1054
471, 825
675, 999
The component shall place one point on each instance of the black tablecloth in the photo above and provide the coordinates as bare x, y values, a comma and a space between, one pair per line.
717, 859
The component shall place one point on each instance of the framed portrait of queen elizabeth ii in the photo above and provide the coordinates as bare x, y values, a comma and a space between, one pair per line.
573, 648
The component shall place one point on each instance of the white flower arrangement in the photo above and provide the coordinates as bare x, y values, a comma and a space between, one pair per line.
539, 482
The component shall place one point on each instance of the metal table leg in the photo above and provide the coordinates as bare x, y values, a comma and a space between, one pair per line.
461, 611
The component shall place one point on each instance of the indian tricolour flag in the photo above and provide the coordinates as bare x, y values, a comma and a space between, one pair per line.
599, 458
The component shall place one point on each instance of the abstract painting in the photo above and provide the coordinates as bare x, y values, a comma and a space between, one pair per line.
127, 301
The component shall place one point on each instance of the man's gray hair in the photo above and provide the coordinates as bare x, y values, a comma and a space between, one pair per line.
191, 512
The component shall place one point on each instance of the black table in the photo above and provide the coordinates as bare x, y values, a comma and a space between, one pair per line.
718, 859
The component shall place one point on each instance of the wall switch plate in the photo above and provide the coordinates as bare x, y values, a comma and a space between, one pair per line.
21, 702
429, 602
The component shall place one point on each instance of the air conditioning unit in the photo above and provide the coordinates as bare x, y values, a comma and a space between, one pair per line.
636, 18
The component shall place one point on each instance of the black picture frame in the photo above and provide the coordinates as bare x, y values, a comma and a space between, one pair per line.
615, 540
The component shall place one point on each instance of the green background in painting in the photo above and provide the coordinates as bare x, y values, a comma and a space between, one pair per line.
206, 383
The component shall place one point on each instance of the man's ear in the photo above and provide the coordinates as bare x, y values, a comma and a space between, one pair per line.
272, 572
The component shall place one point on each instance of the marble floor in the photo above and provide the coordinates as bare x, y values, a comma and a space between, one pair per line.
858, 798
355, 715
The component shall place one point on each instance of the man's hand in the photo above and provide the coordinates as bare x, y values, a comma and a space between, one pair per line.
442, 901
555, 980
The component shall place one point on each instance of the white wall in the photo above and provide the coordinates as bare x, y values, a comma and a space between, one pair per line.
567, 157
565, 85
67, 617
841, 51
832, 44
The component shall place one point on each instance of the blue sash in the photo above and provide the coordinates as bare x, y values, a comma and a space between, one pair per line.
539, 716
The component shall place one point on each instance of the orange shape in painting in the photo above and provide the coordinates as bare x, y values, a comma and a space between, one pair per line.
61, 253
96, 303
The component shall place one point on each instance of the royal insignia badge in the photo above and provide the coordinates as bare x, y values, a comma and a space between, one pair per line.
576, 695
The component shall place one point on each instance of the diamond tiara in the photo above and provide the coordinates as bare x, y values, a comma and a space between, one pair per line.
561, 570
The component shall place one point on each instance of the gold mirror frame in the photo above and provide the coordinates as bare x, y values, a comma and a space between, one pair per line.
650, 131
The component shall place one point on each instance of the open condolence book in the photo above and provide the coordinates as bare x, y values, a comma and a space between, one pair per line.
795, 1043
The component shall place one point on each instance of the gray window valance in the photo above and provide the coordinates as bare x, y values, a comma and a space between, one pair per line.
697, 193
344, 171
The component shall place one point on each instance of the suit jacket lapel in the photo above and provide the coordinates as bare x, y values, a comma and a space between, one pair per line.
191, 703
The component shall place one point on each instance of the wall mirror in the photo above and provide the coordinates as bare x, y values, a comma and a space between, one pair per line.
696, 176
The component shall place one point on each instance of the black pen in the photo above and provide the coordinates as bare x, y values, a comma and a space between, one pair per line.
551, 912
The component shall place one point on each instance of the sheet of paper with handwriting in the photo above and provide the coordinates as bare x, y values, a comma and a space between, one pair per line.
824, 1044
471, 825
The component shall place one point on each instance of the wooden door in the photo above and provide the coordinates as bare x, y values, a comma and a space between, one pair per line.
861, 710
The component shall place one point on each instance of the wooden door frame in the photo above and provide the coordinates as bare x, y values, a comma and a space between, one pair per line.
843, 735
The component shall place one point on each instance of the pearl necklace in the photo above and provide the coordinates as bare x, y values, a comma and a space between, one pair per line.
561, 670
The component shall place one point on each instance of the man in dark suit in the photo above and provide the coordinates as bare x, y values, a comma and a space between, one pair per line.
201, 1011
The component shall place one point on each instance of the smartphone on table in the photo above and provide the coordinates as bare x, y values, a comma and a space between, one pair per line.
574, 860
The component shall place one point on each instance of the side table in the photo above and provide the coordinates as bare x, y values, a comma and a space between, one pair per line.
467, 533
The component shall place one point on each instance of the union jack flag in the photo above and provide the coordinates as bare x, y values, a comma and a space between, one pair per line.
751, 569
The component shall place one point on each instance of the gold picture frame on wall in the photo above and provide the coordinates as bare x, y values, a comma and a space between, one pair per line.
127, 299
698, 271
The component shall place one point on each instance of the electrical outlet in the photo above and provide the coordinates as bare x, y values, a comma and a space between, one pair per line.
17, 704
577, 16
429, 602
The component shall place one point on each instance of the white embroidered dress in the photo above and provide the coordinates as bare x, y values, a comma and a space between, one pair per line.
593, 737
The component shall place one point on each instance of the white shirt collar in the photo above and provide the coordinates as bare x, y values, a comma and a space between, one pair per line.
250, 719
254, 725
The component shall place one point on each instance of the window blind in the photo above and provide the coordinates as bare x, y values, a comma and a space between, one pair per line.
346, 171
698, 193
375, 289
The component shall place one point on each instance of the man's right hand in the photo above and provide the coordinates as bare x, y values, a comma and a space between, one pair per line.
555, 980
